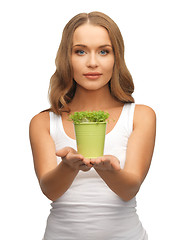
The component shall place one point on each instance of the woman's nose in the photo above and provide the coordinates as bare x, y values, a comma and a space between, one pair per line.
92, 60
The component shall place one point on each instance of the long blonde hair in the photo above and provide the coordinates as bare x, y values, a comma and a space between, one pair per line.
62, 85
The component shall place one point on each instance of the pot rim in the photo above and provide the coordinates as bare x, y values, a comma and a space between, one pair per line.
90, 123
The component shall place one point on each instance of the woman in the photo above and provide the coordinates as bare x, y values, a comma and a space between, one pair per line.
92, 198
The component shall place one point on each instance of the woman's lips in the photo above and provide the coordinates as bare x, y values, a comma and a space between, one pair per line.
92, 75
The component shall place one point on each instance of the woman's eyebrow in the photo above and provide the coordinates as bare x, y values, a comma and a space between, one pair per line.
79, 45
82, 45
105, 45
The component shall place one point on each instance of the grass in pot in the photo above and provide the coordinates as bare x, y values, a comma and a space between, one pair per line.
90, 131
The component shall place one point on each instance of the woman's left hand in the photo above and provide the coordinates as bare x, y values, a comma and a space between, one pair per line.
106, 162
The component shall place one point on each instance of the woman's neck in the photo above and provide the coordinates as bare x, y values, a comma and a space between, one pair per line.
100, 99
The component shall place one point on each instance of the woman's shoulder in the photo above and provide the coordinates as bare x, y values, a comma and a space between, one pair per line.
144, 114
40, 120
144, 109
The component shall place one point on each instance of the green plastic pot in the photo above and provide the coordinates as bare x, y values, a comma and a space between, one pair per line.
90, 138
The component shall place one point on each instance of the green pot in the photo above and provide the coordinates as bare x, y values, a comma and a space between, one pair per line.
90, 138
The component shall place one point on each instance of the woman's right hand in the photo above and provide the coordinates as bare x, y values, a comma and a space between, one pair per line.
75, 160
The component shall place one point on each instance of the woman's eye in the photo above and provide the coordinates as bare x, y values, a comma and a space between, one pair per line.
80, 52
104, 52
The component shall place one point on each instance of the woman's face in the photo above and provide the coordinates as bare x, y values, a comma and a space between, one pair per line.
92, 56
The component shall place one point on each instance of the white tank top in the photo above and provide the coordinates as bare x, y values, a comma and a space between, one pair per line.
89, 209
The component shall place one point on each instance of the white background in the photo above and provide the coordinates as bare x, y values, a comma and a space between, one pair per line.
30, 36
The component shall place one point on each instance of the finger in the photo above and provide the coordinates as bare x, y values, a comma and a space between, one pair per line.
92, 161
74, 157
64, 151
84, 167
84, 163
98, 161
87, 162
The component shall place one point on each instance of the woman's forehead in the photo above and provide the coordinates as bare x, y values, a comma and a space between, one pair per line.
87, 34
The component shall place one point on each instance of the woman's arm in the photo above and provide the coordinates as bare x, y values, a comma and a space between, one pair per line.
126, 182
54, 179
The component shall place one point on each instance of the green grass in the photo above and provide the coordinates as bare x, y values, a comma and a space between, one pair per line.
89, 116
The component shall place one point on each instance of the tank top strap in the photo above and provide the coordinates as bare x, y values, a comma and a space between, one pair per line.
54, 124
128, 115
